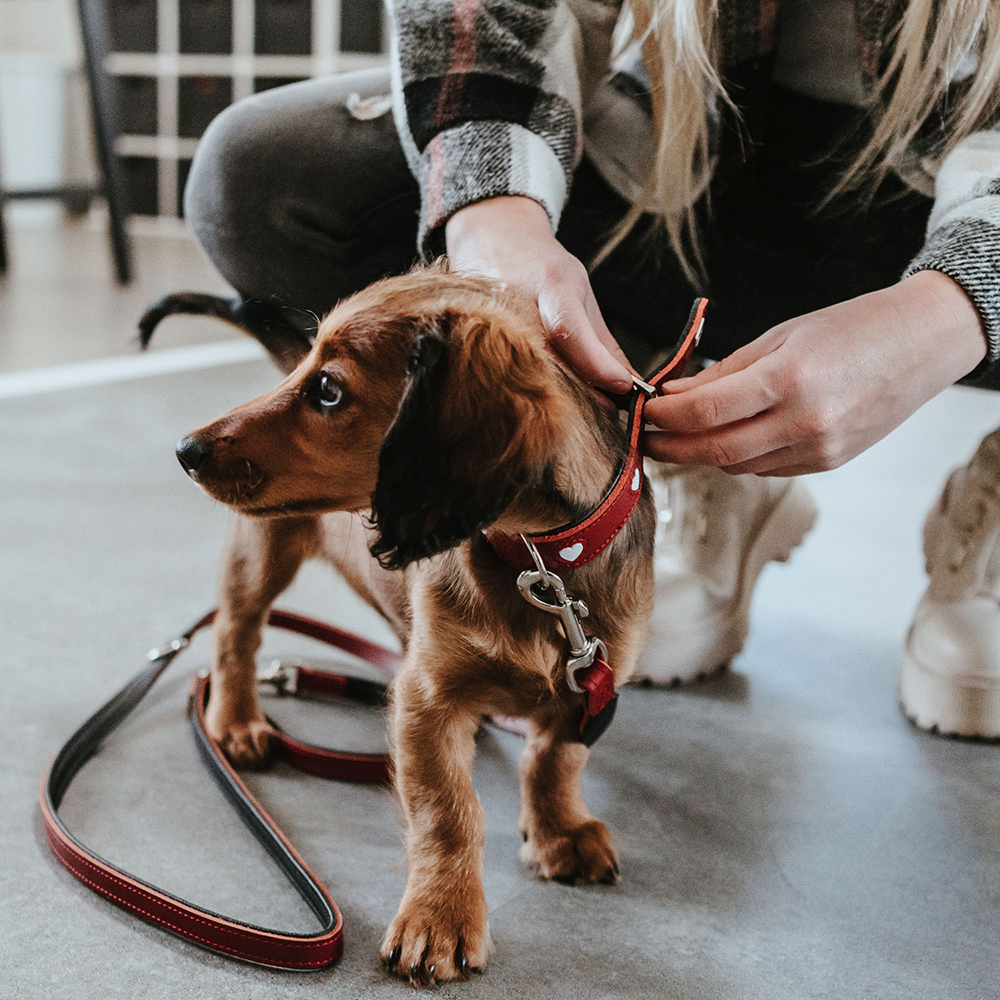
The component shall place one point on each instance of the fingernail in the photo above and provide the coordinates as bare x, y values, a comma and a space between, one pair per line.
622, 383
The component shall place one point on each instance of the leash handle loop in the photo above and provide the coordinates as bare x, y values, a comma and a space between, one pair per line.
197, 924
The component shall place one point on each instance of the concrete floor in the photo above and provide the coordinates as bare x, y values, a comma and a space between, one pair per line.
59, 302
783, 832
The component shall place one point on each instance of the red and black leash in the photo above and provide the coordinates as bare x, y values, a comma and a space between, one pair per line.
203, 927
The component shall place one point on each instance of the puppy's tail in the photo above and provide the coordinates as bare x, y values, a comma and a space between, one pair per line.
286, 334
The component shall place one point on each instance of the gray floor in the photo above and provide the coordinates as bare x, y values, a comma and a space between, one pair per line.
59, 303
783, 832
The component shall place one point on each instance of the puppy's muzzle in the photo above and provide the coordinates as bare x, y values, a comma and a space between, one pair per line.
213, 465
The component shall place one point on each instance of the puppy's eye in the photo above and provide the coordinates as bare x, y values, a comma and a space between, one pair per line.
328, 392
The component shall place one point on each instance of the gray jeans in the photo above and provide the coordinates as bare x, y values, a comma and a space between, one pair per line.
294, 199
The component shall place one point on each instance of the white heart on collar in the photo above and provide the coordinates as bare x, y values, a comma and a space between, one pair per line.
572, 552
635, 480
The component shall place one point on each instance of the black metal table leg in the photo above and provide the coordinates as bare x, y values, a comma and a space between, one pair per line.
93, 21
3, 239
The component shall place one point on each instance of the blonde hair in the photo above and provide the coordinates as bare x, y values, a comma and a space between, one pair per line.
929, 46
681, 46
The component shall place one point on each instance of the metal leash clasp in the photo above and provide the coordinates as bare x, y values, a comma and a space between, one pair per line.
281, 677
583, 649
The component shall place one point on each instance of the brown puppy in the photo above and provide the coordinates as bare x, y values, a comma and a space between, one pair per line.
433, 401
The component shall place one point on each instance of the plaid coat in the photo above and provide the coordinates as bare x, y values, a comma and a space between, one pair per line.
499, 97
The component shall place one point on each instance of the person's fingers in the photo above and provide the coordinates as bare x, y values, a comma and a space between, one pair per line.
780, 462
572, 334
731, 446
605, 336
786, 472
765, 464
740, 396
738, 361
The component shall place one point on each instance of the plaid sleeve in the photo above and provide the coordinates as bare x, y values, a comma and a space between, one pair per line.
963, 233
487, 100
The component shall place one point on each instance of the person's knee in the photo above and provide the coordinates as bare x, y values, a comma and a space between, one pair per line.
228, 173
279, 146
288, 189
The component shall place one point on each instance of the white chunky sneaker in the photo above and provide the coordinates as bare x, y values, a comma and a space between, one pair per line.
950, 677
716, 533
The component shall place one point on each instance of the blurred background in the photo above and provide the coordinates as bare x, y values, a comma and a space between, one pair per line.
161, 70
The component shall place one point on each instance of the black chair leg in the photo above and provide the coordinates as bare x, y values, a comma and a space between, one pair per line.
3, 235
3, 240
93, 21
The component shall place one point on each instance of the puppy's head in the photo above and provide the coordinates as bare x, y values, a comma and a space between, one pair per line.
430, 398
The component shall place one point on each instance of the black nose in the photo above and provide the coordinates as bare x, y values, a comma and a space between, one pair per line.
191, 453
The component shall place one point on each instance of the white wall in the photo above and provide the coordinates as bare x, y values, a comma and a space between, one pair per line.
51, 27
41, 26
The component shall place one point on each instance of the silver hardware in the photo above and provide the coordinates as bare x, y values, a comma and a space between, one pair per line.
536, 558
281, 677
569, 611
176, 645
638, 383
582, 648
697, 336
594, 646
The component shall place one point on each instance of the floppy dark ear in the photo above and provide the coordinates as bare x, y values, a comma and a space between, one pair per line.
461, 448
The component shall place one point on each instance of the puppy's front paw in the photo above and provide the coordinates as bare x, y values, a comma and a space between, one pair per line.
437, 940
247, 744
582, 855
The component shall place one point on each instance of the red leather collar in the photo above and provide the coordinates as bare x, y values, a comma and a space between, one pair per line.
575, 544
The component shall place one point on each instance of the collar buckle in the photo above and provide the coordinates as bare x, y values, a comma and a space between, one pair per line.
649, 390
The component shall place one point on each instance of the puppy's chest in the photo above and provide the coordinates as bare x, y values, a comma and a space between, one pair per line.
491, 638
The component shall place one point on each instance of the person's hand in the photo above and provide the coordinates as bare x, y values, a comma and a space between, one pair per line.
813, 392
510, 238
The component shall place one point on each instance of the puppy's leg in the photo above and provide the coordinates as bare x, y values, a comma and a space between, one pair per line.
440, 931
261, 560
561, 839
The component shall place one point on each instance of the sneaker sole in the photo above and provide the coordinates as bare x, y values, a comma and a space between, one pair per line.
792, 518
949, 706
